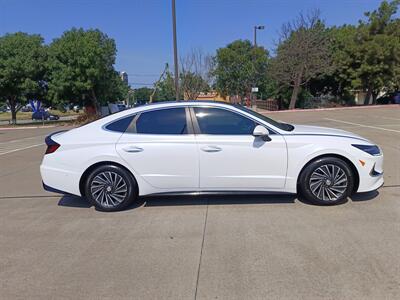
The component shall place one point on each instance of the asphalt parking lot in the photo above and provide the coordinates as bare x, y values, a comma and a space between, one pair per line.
225, 247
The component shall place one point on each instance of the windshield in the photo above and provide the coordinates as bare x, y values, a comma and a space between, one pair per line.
282, 126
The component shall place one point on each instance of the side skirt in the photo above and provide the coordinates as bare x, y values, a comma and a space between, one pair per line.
201, 193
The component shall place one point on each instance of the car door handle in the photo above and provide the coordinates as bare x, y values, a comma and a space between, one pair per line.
132, 149
211, 149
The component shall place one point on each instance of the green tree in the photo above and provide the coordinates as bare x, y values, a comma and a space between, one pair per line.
81, 64
195, 75
192, 85
303, 54
142, 95
166, 88
367, 56
22, 69
238, 67
379, 50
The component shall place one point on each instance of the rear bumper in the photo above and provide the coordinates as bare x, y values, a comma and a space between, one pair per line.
53, 190
60, 180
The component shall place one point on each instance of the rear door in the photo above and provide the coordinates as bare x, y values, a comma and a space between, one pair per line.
161, 147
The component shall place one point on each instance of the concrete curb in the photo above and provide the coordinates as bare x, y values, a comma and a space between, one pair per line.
331, 108
26, 127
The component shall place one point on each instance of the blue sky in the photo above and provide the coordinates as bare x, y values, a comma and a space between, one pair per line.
143, 29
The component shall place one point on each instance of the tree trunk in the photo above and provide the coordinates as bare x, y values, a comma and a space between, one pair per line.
374, 96
296, 90
368, 96
13, 108
293, 99
96, 103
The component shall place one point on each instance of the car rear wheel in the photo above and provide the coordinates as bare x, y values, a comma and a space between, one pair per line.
327, 181
110, 188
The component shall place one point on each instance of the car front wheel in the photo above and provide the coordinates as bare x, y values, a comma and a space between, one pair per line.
110, 188
327, 181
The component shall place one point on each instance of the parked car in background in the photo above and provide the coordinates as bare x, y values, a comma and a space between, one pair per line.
121, 107
389, 98
44, 115
206, 147
26, 108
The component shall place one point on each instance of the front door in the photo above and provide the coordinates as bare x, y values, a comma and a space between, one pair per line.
231, 158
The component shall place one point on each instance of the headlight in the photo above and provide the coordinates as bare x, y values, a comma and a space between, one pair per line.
370, 149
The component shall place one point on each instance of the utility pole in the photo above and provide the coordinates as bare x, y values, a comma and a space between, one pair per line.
261, 27
175, 52
254, 89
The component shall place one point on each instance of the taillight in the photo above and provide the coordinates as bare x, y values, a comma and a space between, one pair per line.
52, 148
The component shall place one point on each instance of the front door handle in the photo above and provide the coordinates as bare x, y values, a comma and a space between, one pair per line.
132, 149
211, 149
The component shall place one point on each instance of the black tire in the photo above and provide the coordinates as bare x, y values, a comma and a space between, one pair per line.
316, 186
104, 188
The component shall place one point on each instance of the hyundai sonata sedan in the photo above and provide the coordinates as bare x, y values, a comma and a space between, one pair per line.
206, 147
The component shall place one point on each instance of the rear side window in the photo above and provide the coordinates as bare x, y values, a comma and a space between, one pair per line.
163, 121
120, 125
223, 122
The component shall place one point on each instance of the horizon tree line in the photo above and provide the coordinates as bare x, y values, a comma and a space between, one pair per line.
310, 60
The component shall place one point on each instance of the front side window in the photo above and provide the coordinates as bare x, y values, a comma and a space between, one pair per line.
221, 121
163, 121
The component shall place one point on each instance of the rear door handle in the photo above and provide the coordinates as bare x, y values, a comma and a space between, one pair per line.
132, 149
211, 149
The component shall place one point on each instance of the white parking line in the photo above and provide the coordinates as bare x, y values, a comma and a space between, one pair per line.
20, 149
388, 118
19, 140
26, 127
362, 125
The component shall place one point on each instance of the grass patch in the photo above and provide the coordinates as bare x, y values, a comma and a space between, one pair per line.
6, 116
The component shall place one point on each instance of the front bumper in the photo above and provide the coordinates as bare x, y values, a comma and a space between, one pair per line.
371, 174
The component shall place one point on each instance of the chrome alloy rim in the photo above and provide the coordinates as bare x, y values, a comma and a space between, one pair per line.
108, 189
328, 182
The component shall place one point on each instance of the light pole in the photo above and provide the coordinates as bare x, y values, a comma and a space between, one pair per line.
254, 89
175, 52
260, 27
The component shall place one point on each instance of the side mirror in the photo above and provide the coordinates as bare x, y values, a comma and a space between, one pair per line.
262, 132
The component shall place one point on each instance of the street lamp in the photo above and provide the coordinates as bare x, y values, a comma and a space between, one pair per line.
259, 27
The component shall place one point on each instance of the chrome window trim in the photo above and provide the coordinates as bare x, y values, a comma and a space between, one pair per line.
190, 116
104, 127
132, 127
197, 127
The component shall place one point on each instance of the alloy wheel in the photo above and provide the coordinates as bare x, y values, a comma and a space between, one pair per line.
328, 182
109, 189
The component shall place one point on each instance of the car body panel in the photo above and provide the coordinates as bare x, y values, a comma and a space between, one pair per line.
242, 162
178, 164
163, 161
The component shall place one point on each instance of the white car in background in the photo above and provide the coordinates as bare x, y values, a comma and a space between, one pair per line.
206, 147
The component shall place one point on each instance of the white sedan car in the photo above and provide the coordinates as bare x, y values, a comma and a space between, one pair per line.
206, 147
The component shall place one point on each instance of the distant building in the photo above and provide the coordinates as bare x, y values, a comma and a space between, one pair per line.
359, 96
124, 77
212, 95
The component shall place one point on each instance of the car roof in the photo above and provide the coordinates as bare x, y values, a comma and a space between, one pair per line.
183, 102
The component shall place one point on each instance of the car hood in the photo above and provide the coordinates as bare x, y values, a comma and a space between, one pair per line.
324, 131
